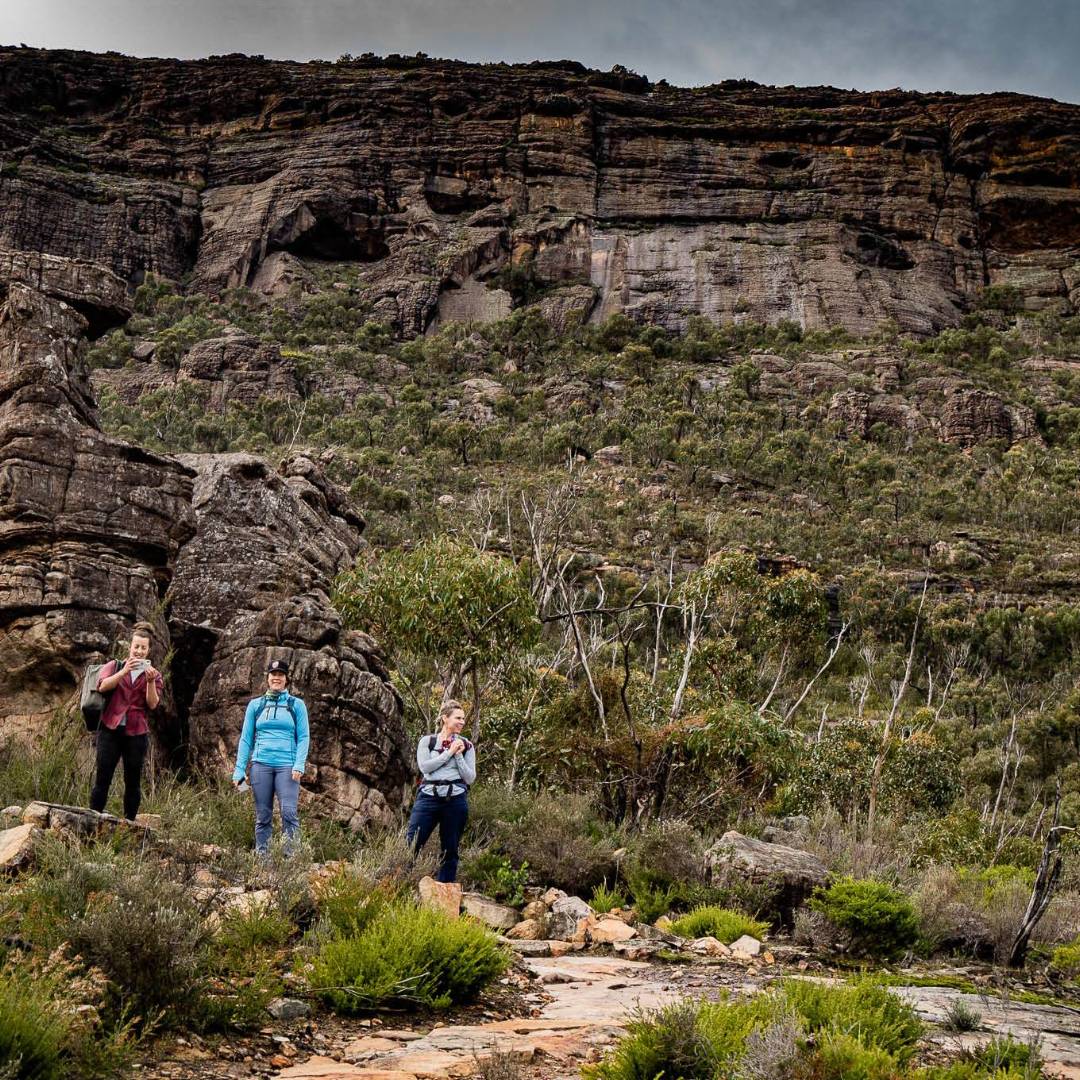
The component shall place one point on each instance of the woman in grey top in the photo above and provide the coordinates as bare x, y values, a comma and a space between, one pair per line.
447, 765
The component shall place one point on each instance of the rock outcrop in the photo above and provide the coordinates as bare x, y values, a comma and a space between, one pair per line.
234, 367
96, 533
254, 583
438, 180
90, 527
792, 873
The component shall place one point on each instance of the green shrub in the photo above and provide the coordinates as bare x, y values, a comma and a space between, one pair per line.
350, 902
1006, 1053
693, 1040
841, 1056
604, 899
721, 923
863, 1009
495, 876
66, 874
244, 932
49, 768
858, 1031
33, 1032
148, 936
879, 919
202, 810
407, 953
562, 840
44, 1036
652, 901
1065, 960
961, 1017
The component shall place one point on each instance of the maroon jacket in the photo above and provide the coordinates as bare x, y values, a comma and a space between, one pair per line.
128, 698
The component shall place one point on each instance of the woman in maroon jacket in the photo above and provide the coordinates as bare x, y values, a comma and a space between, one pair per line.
134, 686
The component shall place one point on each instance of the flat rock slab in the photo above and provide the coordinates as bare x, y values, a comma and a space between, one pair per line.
324, 1068
1057, 1029
603, 990
497, 916
453, 1051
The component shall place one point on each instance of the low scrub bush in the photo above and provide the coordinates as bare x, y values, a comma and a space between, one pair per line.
877, 919
33, 1031
857, 1031
67, 873
44, 1036
842, 1056
350, 903
862, 1008
961, 1017
407, 953
148, 936
605, 899
1065, 960
204, 810
980, 911
246, 932
694, 1040
562, 840
721, 923
495, 876
54, 768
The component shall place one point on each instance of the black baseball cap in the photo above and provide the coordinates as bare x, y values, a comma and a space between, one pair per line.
278, 667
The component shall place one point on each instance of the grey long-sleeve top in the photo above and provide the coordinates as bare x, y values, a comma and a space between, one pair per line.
439, 767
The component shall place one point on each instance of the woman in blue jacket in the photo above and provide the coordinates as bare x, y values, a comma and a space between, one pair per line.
275, 739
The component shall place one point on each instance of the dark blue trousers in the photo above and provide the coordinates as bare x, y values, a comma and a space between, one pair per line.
450, 815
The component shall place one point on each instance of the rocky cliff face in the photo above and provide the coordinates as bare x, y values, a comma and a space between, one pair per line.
231, 560
453, 186
90, 527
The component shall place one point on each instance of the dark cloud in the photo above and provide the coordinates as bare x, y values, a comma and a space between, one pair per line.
918, 44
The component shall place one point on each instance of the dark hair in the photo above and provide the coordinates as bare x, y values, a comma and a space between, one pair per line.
143, 630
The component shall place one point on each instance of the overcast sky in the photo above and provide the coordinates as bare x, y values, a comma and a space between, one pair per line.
963, 45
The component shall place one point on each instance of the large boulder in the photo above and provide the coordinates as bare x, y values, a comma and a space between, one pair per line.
971, 417
90, 526
296, 531
792, 874
358, 769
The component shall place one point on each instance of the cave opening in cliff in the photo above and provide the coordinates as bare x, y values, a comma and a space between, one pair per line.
329, 241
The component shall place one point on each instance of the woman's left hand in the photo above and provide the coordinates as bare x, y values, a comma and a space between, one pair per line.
296, 775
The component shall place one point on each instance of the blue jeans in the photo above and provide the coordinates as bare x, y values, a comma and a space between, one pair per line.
266, 781
450, 815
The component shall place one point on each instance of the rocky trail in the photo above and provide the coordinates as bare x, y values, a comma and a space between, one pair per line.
578, 1005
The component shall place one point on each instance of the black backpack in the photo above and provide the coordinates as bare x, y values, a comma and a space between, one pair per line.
91, 699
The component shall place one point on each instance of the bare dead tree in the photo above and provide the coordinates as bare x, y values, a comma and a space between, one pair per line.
582, 655
776, 682
817, 675
886, 734
1047, 878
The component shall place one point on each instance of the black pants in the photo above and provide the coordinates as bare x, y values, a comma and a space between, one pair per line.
450, 815
111, 747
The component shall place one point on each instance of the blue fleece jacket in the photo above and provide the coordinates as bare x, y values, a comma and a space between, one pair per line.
276, 739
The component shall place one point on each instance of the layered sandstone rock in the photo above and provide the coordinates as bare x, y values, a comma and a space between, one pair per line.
96, 533
254, 583
233, 368
437, 179
90, 527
